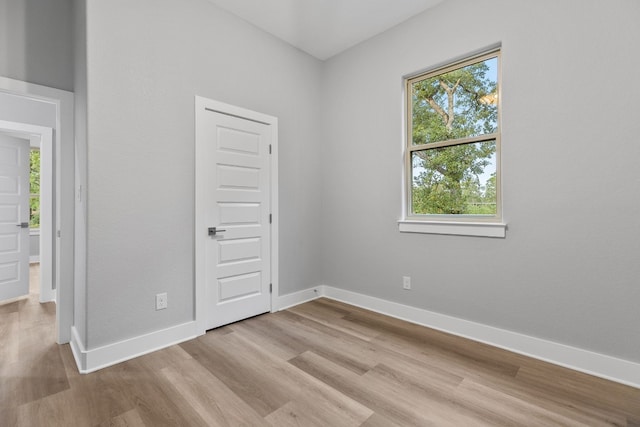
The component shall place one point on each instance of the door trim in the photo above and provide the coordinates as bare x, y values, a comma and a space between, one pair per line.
202, 106
64, 193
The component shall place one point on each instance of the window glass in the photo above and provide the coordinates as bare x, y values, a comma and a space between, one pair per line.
454, 140
457, 104
455, 180
34, 189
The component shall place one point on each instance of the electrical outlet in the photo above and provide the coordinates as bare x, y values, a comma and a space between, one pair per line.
161, 301
406, 282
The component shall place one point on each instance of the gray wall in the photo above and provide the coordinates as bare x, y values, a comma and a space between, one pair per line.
568, 269
34, 245
25, 110
35, 42
80, 168
147, 59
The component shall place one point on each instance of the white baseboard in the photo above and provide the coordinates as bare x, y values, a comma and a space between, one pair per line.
600, 365
289, 300
101, 357
47, 295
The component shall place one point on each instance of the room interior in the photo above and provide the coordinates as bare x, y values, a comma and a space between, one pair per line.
561, 286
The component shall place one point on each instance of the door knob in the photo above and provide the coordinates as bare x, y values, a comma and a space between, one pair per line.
214, 230
23, 225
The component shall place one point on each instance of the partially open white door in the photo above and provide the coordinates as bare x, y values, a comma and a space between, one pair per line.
14, 216
233, 215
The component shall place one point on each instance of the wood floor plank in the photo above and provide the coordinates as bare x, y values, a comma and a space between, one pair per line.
346, 350
12, 306
334, 317
70, 367
377, 420
128, 419
33, 313
500, 408
258, 393
420, 398
9, 416
274, 383
209, 396
58, 409
269, 338
156, 407
427, 342
103, 395
569, 406
33, 377
390, 397
456, 362
584, 388
305, 412
9, 335
322, 363
170, 356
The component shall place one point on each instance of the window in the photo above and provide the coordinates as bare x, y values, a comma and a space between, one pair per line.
34, 189
453, 146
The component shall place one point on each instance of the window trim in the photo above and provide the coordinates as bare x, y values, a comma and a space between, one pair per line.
469, 225
455, 228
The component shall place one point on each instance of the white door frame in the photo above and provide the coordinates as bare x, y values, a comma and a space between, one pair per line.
64, 193
202, 105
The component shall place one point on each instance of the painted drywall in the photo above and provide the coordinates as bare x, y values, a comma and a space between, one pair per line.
80, 170
146, 61
34, 247
35, 42
567, 270
20, 109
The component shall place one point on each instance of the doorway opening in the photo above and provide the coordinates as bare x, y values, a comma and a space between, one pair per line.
236, 231
45, 115
26, 211
34, 222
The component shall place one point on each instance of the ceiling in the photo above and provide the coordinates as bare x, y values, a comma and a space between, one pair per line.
324, 28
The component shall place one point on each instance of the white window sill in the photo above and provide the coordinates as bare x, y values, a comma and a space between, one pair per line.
479, 229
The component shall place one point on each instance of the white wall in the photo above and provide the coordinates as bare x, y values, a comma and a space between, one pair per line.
568, 269
35, 42
146, 61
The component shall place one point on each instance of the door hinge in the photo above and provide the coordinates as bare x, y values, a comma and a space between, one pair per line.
270, 218
269, 148
270, 287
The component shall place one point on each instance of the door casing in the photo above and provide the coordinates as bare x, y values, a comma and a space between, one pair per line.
64, 192
202, 106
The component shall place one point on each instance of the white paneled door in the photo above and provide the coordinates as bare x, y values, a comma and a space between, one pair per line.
14, 217
234, 210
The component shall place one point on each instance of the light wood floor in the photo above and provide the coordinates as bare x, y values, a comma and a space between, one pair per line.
319, 364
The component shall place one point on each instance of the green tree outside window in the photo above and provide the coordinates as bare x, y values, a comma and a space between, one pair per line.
34, 189
453, 140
